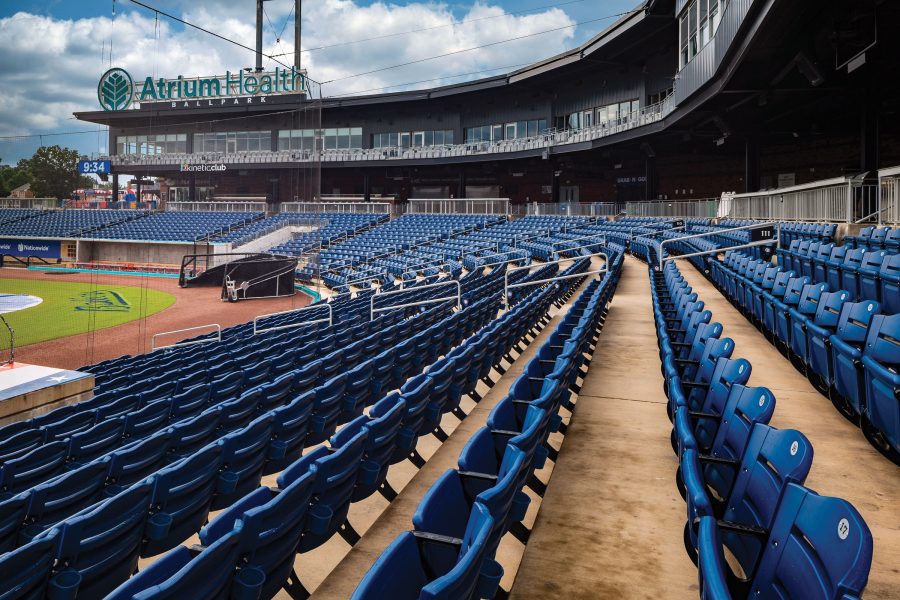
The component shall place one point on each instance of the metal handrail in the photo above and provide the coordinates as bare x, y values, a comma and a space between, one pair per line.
458, 297
12, 342
655, 233
156, 335
507, 286
558, 252
776, 241
329, 320
587, 237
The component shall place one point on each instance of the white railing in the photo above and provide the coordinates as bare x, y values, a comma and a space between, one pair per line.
550, 138
369, 208
457, 297
256, 204
889, 196
35, 203
701, 208
507, 286
462, 206
837, 200
215, 326
573, 209
776, 241
330, 320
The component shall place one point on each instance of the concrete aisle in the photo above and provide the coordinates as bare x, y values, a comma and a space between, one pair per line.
844, 464
611, 522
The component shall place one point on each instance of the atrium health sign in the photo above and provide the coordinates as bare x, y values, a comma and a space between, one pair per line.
38, 248
117, 90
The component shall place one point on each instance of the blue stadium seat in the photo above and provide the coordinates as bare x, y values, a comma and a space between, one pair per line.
881, 362
817, 547
403, 571
847, 344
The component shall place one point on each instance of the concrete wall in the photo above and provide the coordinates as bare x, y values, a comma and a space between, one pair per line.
132, 252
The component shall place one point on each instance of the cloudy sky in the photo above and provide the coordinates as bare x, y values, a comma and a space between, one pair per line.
52, 52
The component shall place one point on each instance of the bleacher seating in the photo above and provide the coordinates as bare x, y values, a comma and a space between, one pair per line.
178, 226
742, 479
68, 223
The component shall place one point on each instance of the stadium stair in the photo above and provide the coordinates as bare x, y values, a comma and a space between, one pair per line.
610, 522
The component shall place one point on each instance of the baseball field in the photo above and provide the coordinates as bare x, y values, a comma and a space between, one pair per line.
69, 308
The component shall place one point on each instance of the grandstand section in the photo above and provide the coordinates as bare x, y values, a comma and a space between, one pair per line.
622, 323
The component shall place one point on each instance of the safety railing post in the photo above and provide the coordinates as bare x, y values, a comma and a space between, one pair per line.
507, 286
458, 297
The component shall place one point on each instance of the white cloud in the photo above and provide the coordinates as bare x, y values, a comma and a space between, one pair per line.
49, 68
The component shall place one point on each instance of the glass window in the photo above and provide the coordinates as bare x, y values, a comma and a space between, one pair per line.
356, 137
510, 131
404, 139
429, 137
448, 137
522, 129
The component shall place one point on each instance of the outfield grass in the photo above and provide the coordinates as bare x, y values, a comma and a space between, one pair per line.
71, 308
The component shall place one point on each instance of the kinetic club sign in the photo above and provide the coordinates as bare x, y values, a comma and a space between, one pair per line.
117, 90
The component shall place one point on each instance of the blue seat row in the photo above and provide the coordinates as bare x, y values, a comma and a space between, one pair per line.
742, 479
848, 350
875, 238
260, 533
864, 274
458, 525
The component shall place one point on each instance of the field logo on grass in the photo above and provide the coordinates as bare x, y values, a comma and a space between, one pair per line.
101, 301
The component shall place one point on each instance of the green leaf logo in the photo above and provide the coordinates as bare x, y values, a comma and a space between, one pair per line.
116, 90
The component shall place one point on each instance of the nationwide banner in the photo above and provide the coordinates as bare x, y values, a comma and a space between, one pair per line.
37, 248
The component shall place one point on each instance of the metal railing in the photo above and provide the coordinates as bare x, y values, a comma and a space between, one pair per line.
256, 204
218, 337
457, 297
369, 208
837, 200
318, 307
461, 206
889, 196
573, 209
34, 203
776, 240
706, 208
507, 286
12, 342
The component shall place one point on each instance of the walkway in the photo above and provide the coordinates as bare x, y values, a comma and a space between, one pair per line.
845, 464
611, 522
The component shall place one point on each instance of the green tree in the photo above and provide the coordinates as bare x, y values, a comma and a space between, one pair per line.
12, 177
54, 172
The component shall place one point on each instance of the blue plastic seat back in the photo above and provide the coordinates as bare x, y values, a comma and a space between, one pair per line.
63, 496
137, 460
290, 425
819, 547
746, 406
143, 422
809, 298
190, 435
19, 443
96, 441
272, 524
881, 362
32, 468
190, 402
794, 290
183, 493
462, 580
103, 544
210, 575
855, 318
244, 455
773, 459
25, 572
780, 283
829, 308
336, 472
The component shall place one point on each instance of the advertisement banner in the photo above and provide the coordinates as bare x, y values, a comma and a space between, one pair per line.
23, 248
